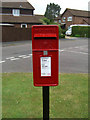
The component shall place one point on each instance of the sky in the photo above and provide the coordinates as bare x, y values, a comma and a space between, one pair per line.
40, 5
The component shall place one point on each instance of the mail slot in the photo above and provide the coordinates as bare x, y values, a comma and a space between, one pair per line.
45, 39
44, 35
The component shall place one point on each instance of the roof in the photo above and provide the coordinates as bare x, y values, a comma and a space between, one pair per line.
21, 19
18, 4
39, 16
80, 13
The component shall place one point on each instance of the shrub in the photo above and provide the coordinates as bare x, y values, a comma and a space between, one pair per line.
77, 35
63, 31
59, 31
45, 21
62, 36
59, 28
81, 31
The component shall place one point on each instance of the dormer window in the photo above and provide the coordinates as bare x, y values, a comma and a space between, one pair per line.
16, 12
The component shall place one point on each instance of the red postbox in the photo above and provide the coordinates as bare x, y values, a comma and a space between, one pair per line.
45, 39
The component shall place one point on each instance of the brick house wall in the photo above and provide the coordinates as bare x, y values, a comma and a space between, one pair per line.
66, 15
78, 20
78, 17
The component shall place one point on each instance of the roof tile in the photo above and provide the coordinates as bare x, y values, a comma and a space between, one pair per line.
24, 5
21, 19
81, 13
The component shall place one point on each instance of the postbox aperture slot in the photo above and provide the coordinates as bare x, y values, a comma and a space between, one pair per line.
43, 36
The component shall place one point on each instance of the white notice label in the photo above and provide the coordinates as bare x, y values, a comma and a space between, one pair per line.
45, 66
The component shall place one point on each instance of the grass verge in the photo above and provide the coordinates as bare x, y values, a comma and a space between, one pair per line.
22, 100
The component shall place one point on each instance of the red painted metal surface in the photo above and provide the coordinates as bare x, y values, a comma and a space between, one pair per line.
45, 39
45, 35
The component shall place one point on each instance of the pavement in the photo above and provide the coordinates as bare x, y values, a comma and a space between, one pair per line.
73, 56
15, 43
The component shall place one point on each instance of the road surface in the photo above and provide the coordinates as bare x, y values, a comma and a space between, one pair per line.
17, 56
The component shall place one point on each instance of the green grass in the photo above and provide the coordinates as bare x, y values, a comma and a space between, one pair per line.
22, 100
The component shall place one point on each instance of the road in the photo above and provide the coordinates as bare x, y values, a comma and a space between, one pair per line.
17, 57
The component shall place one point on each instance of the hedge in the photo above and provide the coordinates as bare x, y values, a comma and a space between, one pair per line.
46, 21
81, 31
61, 32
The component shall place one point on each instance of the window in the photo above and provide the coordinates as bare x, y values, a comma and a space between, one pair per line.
55, 21
16, 12
23, 25
68, 27
59, 21
64, 18
69, 19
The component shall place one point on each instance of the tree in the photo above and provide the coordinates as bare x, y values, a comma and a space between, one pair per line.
52, 11
45, 21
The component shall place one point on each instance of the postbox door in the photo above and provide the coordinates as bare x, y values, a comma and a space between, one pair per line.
45, 72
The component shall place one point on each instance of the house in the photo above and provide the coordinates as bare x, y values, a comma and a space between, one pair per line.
58, 19
19, 14
73, 16
18, 17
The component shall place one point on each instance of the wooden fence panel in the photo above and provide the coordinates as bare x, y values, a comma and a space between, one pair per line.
15, 34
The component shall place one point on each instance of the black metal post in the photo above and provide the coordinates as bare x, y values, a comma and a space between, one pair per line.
45, 102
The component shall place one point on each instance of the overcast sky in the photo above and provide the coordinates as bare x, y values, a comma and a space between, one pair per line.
40, 5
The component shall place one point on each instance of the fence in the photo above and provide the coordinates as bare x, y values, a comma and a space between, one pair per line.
15, 34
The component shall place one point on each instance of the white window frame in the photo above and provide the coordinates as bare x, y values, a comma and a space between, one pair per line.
64, 19
55, 21
69, 18
23, 24
59, 21
16, 12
